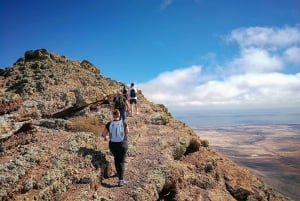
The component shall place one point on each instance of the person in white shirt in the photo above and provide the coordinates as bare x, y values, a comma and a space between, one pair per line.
132, 95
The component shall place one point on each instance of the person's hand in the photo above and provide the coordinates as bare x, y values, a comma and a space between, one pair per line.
102, 136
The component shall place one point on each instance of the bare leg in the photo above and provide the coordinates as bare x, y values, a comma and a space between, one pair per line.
136, 108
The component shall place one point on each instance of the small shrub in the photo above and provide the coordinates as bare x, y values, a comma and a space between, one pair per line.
204, 143
193, 146
180, 148
208, 167
3, 127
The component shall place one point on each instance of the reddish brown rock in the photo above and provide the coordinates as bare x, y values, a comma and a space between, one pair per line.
50, 160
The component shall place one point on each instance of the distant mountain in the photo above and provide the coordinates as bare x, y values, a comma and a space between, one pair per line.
51, 112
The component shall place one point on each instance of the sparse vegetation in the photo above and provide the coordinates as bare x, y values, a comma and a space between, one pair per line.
193, 146
3, 127
89, 123
205, 143
55, 155
180, 148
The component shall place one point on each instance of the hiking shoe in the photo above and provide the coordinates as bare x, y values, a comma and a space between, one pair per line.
122, 182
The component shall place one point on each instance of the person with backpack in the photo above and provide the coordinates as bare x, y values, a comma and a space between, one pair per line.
132, 94
121, 103
118, 145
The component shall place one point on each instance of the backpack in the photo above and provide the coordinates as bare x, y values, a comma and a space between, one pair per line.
132, 93
119, 102
116, 131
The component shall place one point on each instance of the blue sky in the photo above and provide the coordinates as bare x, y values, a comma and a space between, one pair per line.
188, 53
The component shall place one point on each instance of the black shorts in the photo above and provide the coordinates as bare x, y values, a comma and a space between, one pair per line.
131, 101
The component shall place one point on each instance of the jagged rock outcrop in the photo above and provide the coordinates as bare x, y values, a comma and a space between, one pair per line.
9, 102
51, 151
66, 82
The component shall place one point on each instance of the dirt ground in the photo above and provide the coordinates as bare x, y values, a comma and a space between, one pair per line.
52, 147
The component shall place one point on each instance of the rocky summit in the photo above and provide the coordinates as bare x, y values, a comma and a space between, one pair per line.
52, 110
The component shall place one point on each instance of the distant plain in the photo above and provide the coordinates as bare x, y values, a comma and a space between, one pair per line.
266, 141
270, 151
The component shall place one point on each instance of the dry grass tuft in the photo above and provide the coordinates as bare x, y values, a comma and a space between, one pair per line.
3, 127
86, 124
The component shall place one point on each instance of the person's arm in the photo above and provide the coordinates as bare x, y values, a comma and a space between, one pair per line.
126, 130
104, 133
127, 97
127, 105
113, 104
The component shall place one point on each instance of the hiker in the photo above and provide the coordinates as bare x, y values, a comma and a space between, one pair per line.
121, 104
124, 92
132, 94
118, 145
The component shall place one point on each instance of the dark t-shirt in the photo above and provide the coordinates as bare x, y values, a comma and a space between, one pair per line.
125, 93
118, 104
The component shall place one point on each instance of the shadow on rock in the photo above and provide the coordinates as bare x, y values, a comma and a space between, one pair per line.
98, 160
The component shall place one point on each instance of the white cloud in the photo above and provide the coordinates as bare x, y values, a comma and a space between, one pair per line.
264, 49
258, 76
171, 86
292, 55
165, 3
267, 88
265, 36
256, 60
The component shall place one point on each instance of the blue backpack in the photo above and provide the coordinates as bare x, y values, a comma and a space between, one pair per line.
116, 131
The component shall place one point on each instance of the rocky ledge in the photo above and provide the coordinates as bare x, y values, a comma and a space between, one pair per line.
60, 157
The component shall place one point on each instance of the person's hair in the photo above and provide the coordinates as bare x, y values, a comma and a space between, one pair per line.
132, 84
116, 113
